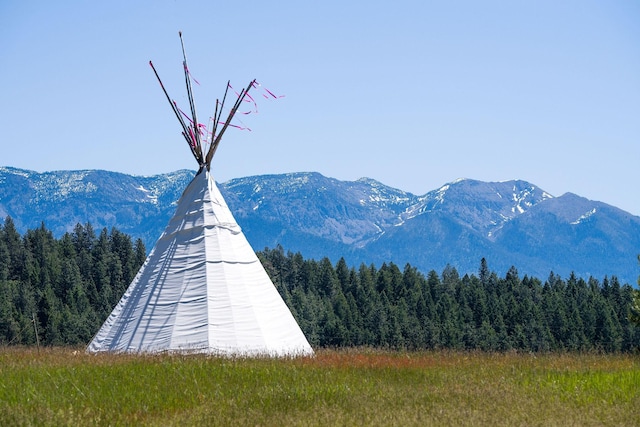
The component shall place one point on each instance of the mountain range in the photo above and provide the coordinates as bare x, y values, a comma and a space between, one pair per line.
510, 223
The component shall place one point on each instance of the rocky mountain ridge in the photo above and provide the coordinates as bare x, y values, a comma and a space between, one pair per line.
510, 223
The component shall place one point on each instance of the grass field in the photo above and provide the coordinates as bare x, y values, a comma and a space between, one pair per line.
61, 386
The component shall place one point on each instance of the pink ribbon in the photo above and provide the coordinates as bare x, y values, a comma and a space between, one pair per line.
189, 73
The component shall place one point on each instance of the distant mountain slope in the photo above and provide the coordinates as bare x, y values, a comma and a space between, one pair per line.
512, 223
347, 212
572, 230
135, 205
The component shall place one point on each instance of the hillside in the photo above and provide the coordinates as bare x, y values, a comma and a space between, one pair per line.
511, 223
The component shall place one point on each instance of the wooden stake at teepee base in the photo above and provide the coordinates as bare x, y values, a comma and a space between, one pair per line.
35, 327
202, 288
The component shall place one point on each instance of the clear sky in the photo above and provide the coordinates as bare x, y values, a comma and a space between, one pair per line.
414, 94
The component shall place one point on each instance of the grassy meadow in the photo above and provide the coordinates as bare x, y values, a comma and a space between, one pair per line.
63, 386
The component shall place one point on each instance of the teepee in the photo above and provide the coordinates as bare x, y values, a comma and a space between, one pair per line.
202, 288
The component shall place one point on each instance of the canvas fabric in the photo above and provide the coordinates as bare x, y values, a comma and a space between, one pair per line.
202, 289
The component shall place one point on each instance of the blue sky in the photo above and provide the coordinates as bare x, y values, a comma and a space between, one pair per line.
414, 94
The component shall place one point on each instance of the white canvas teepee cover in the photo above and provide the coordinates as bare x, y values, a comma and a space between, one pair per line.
202, 289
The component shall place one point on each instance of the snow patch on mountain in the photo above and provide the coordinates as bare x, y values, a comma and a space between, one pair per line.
14, 171
60, 185
522, 198
584, 217
441, 192
149, 196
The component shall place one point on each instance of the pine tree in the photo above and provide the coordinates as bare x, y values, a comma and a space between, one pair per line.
15, 248
634, 315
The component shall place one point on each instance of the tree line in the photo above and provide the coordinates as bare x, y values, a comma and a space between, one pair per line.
60, 291
388, 307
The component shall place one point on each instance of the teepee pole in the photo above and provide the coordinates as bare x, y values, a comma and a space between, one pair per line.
186, 133
176, 111
173, 107
192, 104
234, 109
216, 119
213, 127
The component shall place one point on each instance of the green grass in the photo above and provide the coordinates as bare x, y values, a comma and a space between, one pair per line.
348, 387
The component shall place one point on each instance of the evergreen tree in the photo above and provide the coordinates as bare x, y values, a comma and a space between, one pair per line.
70, 285
15, 249
634, 314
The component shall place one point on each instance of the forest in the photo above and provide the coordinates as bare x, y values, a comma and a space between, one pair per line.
59, 291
